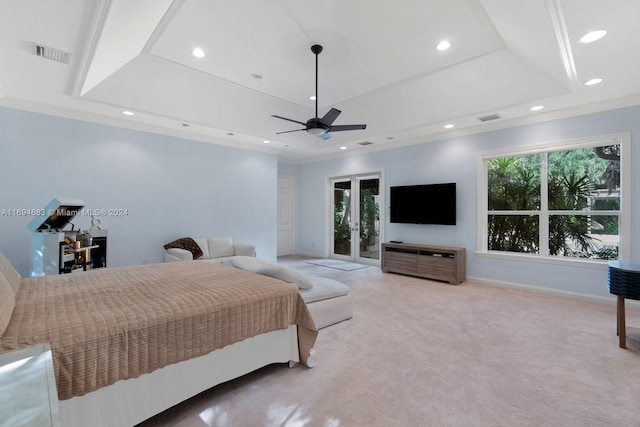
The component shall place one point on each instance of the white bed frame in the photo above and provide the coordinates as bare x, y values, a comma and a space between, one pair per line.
129, 402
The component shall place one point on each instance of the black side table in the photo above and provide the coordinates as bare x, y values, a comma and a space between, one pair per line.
624, 281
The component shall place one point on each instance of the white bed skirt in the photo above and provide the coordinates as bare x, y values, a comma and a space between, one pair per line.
129, 402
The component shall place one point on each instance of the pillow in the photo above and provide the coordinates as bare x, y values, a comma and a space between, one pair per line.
10, 273
220, 247
7, 302
276, 271
188, 244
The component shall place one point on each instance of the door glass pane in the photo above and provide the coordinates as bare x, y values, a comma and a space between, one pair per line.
369, 218
342, 218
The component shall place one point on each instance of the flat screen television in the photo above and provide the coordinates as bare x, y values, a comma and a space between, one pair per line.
423, 204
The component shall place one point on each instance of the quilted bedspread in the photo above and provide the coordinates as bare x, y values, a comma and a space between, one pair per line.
112, 324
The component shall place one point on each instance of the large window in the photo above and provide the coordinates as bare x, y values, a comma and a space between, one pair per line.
557, 201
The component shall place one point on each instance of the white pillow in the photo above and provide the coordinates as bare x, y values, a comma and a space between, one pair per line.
276, 271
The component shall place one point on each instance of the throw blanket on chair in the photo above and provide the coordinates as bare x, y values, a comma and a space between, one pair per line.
186, 243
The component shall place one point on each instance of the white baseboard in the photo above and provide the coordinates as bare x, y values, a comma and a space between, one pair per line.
608, 300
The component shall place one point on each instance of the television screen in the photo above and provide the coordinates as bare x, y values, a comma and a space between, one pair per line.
423, 204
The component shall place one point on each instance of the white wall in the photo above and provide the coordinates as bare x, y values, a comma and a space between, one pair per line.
170, 187
454, 160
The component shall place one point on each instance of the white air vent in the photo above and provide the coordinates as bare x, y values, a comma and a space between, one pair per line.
51, 53
365, 143
489, 117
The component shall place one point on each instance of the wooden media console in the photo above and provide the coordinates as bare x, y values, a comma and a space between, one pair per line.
430, 262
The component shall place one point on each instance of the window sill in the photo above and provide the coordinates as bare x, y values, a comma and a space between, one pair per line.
573, 262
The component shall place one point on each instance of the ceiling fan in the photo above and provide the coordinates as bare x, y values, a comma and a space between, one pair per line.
320, 127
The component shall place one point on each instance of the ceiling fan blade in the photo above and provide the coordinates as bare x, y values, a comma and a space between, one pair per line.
331, 116
289, 120
339, 128
289, 131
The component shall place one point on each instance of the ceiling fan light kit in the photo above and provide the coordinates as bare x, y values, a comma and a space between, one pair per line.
317, 126
316, 131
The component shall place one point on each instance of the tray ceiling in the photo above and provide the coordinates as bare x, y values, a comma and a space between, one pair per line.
380, 66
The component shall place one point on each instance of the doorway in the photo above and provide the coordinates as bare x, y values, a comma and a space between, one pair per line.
286, 215
357, 212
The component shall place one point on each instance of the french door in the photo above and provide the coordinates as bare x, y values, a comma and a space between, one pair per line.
356, 229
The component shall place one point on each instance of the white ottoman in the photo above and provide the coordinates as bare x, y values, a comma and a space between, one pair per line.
329, 301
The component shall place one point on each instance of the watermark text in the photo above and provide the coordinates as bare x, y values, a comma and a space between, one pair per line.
64, 212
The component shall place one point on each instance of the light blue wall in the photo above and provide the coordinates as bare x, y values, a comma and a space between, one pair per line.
454, 160
287, 169
171, 187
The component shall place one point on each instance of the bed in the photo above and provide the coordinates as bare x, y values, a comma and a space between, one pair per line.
129, 342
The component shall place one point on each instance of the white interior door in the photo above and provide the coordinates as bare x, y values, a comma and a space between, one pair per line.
286, 215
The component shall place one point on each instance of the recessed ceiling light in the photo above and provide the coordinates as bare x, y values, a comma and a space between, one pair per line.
537, 107
127, 113
230, 133
266, 141
312, 97
198, 52
593, 81
592, 36
448, 126
390, 137
443, 45
343, 148
256, 77
184, 125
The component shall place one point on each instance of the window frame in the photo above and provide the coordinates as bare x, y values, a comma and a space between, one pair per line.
624, 223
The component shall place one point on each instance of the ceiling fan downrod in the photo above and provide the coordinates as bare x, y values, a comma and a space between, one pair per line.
316, 49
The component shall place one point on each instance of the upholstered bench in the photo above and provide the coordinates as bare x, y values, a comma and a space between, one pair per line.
328, 300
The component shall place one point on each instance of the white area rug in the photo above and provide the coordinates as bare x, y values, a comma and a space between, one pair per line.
337, 264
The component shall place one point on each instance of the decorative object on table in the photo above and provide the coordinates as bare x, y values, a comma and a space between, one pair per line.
96, 222
85, 239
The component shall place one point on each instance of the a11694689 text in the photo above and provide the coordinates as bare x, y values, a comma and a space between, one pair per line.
64, 212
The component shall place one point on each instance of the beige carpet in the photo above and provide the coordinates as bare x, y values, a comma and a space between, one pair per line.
337, 264
423, 353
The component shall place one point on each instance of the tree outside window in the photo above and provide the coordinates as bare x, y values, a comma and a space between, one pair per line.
558, 202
